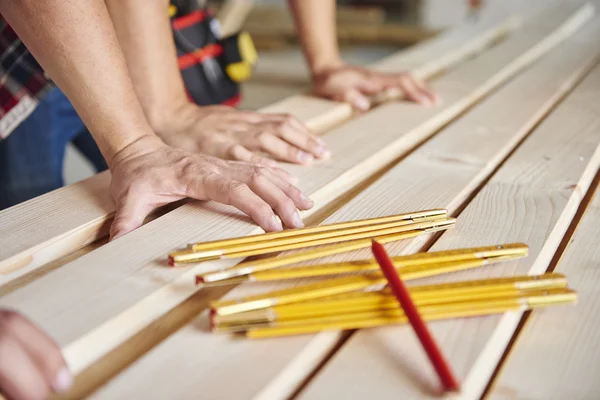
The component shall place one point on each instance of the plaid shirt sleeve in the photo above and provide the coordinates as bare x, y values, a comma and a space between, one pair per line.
22, 81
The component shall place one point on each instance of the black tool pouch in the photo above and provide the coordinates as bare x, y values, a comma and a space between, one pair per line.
199, 50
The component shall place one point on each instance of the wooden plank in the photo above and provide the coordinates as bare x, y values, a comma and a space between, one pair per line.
557, 353
126, 282
267, 36
53, 225
441, 173
258, 95
531, 199
430, 56
55, 237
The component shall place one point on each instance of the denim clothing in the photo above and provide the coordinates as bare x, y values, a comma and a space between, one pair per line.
32, 156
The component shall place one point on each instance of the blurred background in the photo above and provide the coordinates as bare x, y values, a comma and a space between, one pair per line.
367, 30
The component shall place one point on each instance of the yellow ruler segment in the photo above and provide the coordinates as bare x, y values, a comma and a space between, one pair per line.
338, 286
297, 242
429, 313
414, 216
376, 301
513, 249
249, 267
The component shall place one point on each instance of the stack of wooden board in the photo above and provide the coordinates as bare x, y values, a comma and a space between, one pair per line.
512, 152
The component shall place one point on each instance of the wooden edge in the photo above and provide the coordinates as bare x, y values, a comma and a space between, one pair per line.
592, 195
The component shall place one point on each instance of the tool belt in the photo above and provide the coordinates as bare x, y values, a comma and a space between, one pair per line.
211, 66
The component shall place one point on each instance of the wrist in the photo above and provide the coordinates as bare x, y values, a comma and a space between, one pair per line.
143, 144
167, 120
178, 119
325, 67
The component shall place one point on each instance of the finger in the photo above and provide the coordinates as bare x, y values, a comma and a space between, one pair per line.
244, 169
44, 351
425, 91
301, 201
238, 195
284, 151
412, 92
20, 378
305, 133
304, 141
251, 117
370, 86
356, 99
246, 174
132, 209
284, 206
300, 126
240, 153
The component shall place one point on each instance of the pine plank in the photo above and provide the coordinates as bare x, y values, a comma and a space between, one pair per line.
126, 283
466, 38
131, 273
557, 354
532, 199
441, 173
24, 249
53, 225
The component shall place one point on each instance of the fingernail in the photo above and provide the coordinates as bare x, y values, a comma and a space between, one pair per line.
320, 141
63, 381
304, 157
306, 199
276, 224
362, 104
425, 101
297, 221
322, 152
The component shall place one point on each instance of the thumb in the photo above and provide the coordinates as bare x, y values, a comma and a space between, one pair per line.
130, 215
356, 99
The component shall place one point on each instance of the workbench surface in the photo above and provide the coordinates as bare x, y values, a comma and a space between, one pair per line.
513, 152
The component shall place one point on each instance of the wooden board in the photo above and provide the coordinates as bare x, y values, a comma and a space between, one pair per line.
22, 251
465, 39
531, 199
126, 282
557, 353
53, 225
428, 177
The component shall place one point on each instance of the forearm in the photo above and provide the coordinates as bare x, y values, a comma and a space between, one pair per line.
316, 25
75, 43
146, 38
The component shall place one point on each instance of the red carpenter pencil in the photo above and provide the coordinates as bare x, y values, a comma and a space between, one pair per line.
401, 292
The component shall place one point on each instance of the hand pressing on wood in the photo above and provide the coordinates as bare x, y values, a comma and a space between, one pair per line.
227, 133
355, 85
148, 174
31, 364
332, 79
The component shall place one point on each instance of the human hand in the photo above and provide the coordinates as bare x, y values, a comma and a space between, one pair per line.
227, 133
354, 85
148, 174
31, 363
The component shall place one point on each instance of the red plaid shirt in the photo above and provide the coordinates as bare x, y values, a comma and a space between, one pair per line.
22, 81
